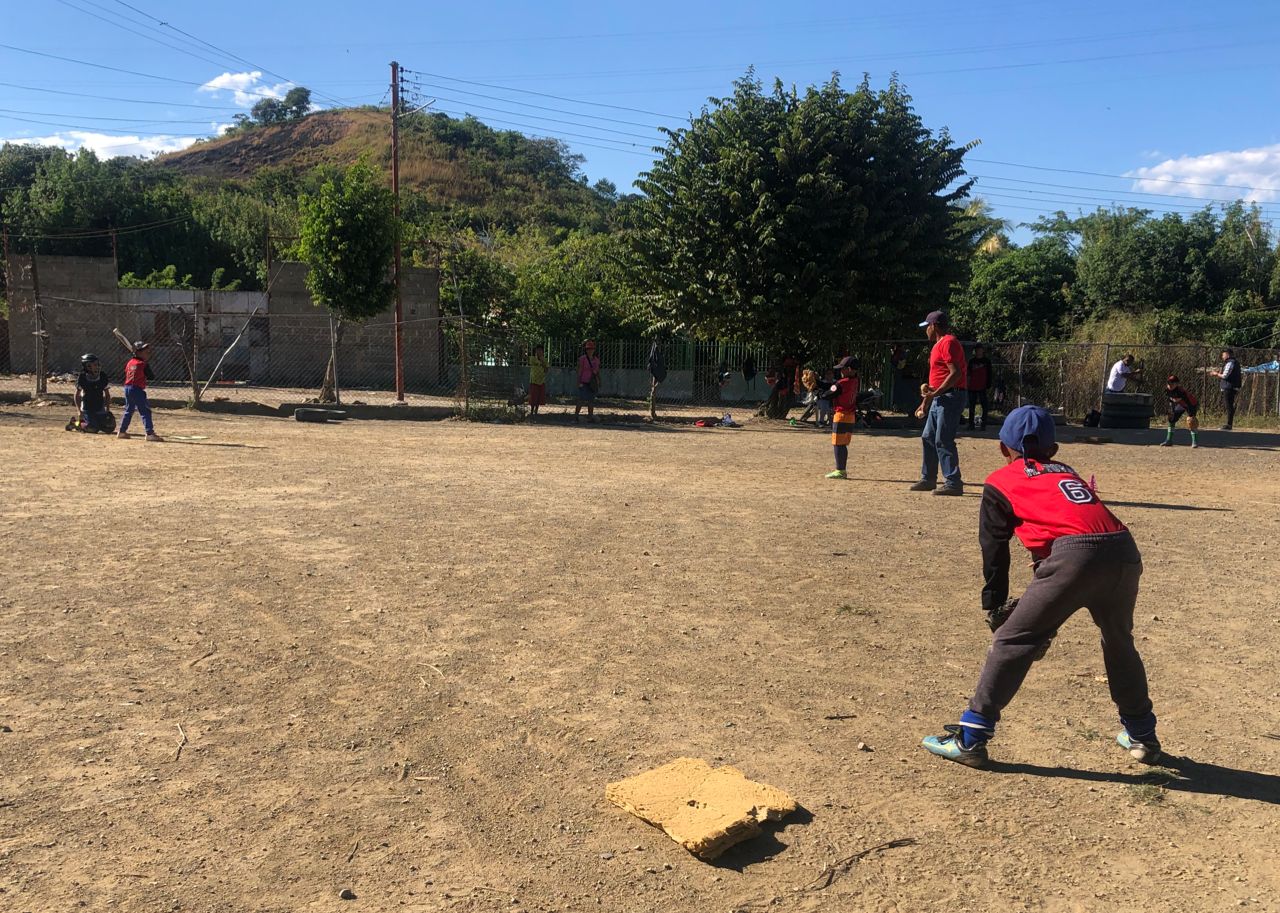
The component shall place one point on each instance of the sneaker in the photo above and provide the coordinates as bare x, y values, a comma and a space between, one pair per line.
1146, 751
1167, 444
123, 434
924, 485
1195, 446
948, 746
1225, 428
838, 474
953, 491
154, 438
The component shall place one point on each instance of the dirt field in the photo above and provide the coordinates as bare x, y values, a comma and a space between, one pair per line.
247, 672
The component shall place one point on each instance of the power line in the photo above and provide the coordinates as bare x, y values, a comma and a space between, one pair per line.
173, 28
574, 101
152, 38
90, 234
103, 66
1049, 196
526, 104
1125, 177
1104, 190
135, 101
132, 120
89, 128
557, 133
544, 117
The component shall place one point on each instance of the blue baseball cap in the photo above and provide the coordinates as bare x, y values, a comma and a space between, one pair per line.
1025, 422
935, 317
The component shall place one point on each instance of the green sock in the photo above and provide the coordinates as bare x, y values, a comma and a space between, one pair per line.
1168, 435
1193, 439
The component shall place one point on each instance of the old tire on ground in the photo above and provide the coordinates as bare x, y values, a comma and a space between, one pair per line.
320, 416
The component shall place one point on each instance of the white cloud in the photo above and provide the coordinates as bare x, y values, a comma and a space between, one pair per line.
112, 146
246, 88
1254, 174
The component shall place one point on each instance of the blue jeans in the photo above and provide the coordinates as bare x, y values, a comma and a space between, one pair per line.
939, 438
135, 400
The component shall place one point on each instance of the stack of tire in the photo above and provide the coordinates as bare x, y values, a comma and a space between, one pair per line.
1126, 410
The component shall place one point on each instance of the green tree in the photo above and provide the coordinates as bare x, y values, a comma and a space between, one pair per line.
297, 102
1017, 293
347, 239
795, 219
578, 289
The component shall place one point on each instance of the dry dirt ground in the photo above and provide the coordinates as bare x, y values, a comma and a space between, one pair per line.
247, 672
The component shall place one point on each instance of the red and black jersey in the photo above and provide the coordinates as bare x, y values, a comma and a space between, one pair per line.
1179, 396
136, 373
845, 399
1039, 503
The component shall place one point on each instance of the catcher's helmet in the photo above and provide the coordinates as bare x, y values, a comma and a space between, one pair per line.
87, 359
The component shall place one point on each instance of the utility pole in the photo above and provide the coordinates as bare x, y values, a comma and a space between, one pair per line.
42, 335
395, 192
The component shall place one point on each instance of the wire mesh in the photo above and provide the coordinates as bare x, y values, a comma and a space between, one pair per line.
277, 360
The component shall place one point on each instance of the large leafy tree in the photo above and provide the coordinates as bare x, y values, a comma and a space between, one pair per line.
796, 218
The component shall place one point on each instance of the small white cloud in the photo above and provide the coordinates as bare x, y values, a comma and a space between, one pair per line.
247, 89
1253, 174
111, 146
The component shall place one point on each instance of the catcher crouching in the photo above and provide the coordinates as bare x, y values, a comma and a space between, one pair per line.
1084, 558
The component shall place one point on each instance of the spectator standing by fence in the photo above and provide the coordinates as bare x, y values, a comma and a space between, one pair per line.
943, 406
977, 383
1230, 383
588, 381
1121, 371
537, 379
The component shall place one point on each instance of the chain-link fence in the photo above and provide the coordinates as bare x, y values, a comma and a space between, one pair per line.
278, 360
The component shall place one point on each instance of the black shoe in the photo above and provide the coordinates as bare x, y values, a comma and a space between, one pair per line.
1225, 428
924, 485
953, 491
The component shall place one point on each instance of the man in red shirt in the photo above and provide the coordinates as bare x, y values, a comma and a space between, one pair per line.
943, 406
1083, 557
978, 381
844, 400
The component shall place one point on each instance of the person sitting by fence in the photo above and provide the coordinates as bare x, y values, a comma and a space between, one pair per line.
1181, 402
588, 381
93, 398
537, 380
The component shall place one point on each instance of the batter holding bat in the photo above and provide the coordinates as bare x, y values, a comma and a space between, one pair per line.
136, 374
1084, 558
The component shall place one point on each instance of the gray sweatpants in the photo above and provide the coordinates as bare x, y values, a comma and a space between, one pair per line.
1096, 572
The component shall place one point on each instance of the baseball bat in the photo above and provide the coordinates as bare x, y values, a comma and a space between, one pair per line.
124, 340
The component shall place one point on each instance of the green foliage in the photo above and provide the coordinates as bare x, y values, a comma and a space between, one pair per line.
1016, 293
160, 278
348, 237
270, 111
795, 218
578, 289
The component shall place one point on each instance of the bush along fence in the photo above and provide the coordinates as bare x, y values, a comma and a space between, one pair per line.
274, 360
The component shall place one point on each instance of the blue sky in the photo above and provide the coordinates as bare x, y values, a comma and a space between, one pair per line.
1075, 105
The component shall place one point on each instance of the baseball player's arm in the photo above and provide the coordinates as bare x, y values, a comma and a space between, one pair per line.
995, 528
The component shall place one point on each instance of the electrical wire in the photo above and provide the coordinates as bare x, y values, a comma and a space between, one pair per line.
152, 38
596, 104
134, 101
1124, 177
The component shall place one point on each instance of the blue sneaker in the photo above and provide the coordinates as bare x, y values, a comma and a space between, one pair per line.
1145, 750
948, 746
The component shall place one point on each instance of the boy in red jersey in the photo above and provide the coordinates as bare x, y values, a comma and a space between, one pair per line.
136, 374
844, 399
1084, 558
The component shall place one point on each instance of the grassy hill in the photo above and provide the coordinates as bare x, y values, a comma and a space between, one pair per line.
459, 169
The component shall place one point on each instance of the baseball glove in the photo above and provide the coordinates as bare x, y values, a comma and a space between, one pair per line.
809, 379
999, 615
